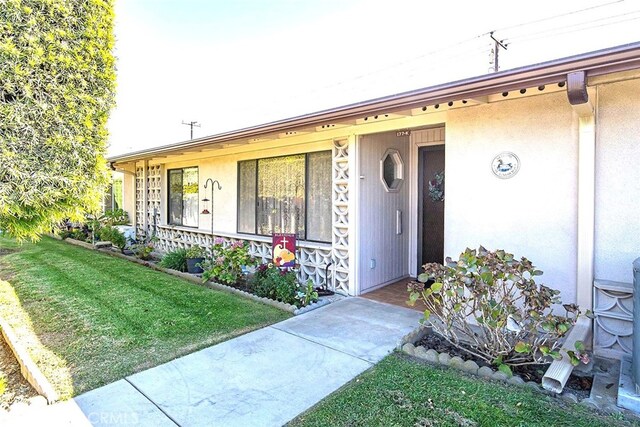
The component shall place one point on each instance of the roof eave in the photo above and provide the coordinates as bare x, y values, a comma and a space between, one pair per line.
619, 58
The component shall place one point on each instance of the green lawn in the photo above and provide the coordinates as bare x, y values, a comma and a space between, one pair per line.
89, 319
402, 391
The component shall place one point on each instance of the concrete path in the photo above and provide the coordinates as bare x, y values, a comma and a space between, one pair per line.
263, 378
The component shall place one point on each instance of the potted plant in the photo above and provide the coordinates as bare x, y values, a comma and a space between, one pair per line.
195, 255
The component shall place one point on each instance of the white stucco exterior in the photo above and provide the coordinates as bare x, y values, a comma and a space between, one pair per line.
532, 214
617, 234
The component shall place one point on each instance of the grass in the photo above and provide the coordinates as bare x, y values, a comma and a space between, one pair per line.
402, 391
89, 319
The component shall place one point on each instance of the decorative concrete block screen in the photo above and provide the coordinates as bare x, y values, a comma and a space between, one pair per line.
613, 325
154, 184
139, 200
313, 259
341, 215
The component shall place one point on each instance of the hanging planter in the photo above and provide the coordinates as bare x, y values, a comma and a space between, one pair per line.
436, 187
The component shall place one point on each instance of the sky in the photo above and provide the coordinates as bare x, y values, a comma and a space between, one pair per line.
232, 64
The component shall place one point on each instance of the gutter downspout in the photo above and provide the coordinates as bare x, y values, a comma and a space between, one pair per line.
558, 373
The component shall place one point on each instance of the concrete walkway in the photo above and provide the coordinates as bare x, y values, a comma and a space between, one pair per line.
263, 378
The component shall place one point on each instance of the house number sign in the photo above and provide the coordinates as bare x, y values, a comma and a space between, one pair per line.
505, 165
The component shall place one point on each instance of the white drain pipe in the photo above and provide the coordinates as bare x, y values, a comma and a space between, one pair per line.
558, 373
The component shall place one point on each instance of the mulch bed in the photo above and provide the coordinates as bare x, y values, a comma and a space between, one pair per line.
18, 389
579, 383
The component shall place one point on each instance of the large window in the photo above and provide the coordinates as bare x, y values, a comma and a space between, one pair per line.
290, 194
183, 197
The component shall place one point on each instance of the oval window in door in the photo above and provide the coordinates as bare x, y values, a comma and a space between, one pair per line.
392, 170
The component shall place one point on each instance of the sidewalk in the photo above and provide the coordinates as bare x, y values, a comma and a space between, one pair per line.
263, 378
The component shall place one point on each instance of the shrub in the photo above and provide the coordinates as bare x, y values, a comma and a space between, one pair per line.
143, 249
515, 321
196, 252
110, 234
278, 284
58, 84
115, 217
176, 260
227, 260
306, 294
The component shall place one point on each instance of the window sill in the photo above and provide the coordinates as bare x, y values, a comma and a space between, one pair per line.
253, 237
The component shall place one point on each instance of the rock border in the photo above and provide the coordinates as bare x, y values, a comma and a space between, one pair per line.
28, 368
198, 281
470, 367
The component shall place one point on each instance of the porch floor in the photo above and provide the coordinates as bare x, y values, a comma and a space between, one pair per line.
396, 294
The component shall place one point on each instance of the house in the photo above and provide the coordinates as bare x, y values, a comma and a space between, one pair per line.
541, 161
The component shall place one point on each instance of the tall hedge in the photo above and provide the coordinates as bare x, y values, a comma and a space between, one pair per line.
57, 83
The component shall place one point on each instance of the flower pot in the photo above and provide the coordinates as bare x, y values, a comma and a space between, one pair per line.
191, 265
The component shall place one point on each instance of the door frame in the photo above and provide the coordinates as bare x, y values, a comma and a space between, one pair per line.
414, 203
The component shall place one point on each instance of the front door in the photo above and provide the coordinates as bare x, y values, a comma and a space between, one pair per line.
383, 212
431, 205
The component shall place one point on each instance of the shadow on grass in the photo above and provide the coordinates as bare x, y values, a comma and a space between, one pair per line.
99, 318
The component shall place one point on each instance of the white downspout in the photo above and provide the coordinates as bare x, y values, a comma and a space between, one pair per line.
558, 373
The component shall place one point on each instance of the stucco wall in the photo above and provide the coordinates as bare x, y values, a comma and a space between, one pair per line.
225, 170
617, 239
532, 214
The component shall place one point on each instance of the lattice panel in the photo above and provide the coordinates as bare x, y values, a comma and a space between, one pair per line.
312, 260
613, 325
340, 232
139, 200
154, 186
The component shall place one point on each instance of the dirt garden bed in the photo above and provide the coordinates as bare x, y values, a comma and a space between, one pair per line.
13, 387
579, 383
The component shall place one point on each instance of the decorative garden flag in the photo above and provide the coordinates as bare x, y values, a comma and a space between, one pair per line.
284, 249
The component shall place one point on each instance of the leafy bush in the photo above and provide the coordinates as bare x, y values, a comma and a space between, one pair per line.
278, 284
110, 234
515, 322
196, 251
306, 294
143, 249
176, 260
58, 84
227, 260
115, 217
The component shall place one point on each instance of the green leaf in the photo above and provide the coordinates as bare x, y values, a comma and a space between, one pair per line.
506, 369
427, 314
544, 350
436, 287
579, 345
522, 347
423, 278
563, 328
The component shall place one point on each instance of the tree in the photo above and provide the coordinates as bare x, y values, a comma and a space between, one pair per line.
57, 83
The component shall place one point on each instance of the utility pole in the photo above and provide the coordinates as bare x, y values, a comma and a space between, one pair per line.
191, 124
497, 44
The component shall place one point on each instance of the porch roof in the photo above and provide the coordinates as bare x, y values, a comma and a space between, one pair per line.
596, 63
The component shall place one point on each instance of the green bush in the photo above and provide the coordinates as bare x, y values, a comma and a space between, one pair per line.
515, 323
115, 217
272, 282
57, 75
227, 261
175, 260
110, 234
195, 252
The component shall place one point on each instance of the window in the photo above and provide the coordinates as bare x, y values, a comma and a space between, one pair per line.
183, 197
392, 170
290, 194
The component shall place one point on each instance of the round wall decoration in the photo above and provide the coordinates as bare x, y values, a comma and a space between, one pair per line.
505, 165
